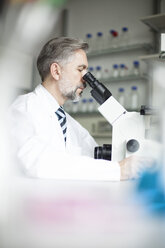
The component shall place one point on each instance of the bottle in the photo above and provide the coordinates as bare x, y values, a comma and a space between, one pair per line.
134, 98
91, 69
89, 40
122, 71
98, 73
124, 37
106, 73
115, 71
75, 107
84, 106
108, 42
99, 45
121, 96
91, 106
114, 38
136, 68
68, 106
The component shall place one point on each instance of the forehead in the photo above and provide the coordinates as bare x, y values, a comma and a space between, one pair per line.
79, 58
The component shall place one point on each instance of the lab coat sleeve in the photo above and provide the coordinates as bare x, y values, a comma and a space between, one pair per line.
39, 159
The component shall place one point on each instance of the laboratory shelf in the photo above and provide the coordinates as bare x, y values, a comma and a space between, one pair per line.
124, 78
153, 57
85, 114
96, 113
155, 22
100, 135
121, 49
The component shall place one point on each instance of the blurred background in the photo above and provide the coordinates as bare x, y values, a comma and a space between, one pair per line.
126, 51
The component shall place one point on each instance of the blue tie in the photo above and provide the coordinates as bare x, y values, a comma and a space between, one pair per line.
62, 120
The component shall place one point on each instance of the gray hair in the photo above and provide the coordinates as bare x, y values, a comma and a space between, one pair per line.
58, 50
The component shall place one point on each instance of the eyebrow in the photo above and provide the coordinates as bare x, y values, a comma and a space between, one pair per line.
83, 66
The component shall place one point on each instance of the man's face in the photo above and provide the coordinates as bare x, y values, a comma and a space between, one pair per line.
71, 85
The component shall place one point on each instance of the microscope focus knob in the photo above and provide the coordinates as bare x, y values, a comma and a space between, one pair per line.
132, 145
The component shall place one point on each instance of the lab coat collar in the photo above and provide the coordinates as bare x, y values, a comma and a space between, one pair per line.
47, 98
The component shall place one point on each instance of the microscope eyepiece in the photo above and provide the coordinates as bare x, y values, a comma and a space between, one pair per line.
89, 78
99, 92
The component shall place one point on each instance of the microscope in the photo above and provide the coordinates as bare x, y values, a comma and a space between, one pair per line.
129, 129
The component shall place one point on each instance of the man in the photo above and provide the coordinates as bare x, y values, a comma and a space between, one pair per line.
49, 142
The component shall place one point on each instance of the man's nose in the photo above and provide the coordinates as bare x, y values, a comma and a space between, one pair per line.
84, 72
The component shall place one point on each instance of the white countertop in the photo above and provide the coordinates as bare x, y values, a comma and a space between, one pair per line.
49, 213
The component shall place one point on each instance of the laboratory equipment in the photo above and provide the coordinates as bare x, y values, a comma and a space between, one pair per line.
99, 42
128, 128
136, 68
103, 152
114, 39
134, 98
124, 37
91, 69
110, 39
122, 70
121, 96
106, 73
84, 106
89, 40
74, 107
91, 106
115, 71
98, 72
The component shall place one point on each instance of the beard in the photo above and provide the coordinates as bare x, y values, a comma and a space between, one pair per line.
73, 96
69, 91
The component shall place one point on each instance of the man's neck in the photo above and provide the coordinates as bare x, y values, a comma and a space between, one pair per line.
52, 88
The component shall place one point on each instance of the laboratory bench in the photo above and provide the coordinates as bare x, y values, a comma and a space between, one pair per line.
64, 213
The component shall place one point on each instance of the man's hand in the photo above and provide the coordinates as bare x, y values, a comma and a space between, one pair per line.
133, 166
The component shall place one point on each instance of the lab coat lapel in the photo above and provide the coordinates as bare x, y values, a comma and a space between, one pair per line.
51, 122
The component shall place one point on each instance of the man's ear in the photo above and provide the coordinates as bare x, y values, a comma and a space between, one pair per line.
55, 71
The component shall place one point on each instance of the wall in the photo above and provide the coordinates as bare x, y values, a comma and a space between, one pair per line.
94, 15
162, 6
56, 31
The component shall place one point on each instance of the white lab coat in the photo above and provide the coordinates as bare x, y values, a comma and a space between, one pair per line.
39, 143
